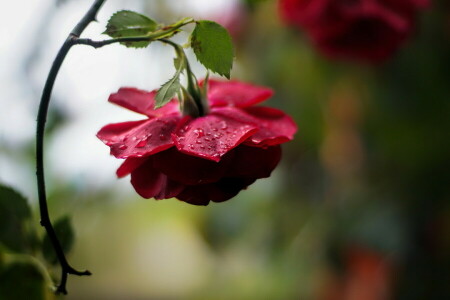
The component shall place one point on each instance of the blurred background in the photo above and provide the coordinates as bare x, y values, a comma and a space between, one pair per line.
358, 209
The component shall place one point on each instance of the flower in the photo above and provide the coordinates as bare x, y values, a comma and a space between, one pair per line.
363, 30
197, 160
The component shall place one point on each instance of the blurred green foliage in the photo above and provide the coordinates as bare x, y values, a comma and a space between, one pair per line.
64, 232
19, 281
14, 211
22, 274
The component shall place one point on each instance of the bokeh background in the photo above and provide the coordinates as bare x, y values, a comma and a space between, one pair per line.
357, 210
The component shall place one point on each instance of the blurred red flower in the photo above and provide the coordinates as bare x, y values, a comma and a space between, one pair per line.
196, 160
362, 30
366, 275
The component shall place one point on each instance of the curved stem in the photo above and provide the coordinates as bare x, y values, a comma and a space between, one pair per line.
161, 36
40, 130
192, 85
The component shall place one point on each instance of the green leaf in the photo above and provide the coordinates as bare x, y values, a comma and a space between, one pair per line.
167, 91
22, 280
64, 232
127, 23
213, 47
14, 211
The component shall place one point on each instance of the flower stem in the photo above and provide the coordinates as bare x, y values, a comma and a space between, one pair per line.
40, 130
161, 36
192, 84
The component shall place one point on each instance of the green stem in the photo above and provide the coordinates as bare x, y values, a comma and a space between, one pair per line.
192, 85
160, 34
40, 131
99, 44
191, 80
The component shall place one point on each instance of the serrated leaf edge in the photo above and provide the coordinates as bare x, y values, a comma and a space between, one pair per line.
125, 11
163, 88
226, 74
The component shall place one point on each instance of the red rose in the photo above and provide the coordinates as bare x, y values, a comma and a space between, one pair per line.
365, 30
196, 160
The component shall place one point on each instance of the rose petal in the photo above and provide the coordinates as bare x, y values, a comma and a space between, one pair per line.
363, 30
254, 162
112, 133
142, 102
303, 12
275, 127
150, 183
211, 136
188, 169
235, 93
373, 10
353, 42
152, 136
219, 191
129, 165
421, 3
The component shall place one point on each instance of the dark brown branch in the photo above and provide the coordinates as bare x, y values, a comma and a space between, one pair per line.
40, 130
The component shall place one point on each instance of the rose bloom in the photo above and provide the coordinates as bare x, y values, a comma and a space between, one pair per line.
197, 160
363, 30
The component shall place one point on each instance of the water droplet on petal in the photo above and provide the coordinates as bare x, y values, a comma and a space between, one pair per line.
123, 147
141, 144
199, 132
162, 137
198, 141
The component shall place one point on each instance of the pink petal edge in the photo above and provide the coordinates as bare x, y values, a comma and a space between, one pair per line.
235, 93
113, 133
142, 102
152, 136
275, 127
